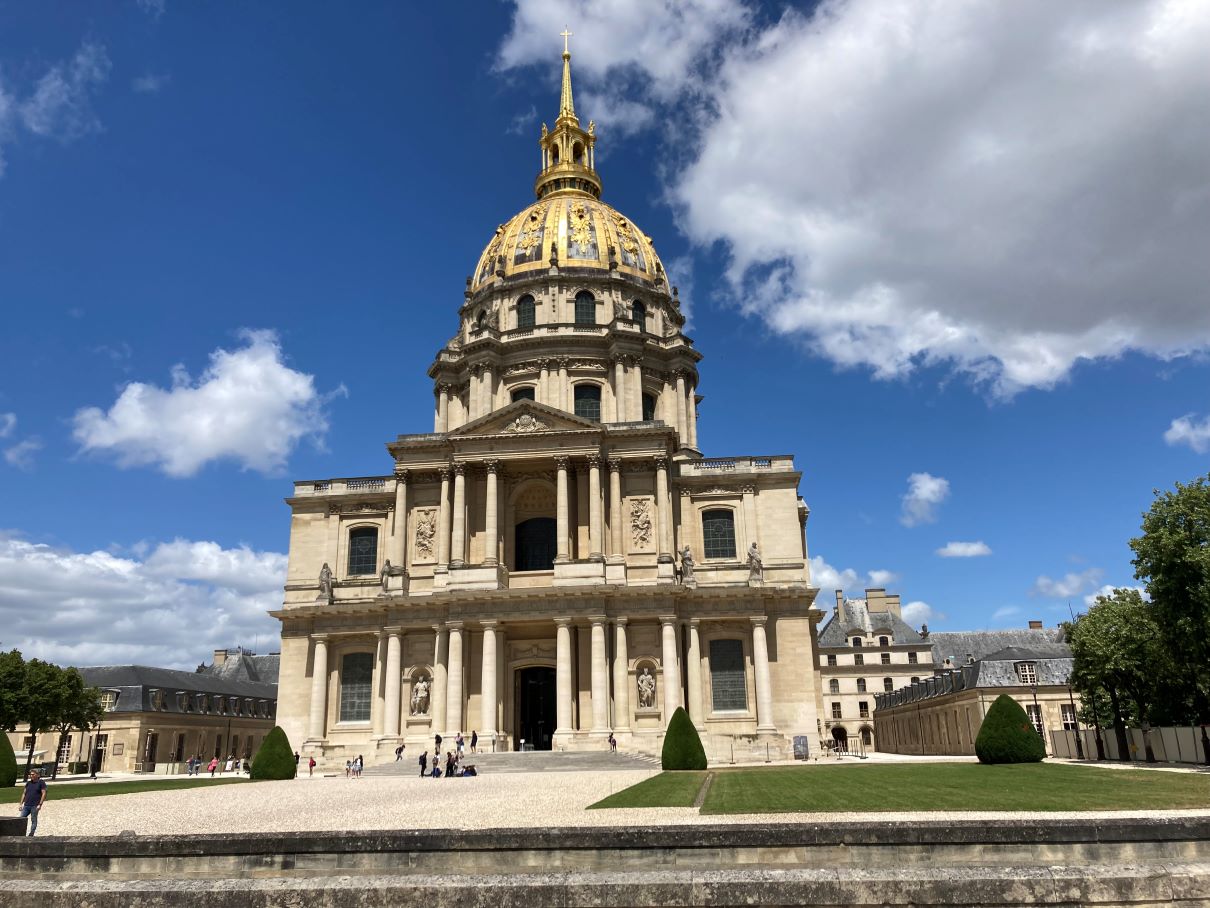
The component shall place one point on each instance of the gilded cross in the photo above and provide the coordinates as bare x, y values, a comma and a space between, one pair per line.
565, 34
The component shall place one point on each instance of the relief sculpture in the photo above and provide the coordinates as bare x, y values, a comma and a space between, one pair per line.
640, 523
426, 535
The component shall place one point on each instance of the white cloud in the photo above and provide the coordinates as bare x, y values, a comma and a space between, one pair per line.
153, 8
148, 83
172, 609
8, 422
964, 550
21, 455
1071, 584
522, 123
60, 106
248, 406
924, 495
827, 578
1187, 431
1107, 590
882, 579
917, 613
1006, 189
1005, 611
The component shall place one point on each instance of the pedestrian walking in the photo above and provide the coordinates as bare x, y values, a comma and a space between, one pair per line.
32, 799
398, 753
212, 766
613, 744
348, 768
474, 741
310, 767
424, 762
459, 742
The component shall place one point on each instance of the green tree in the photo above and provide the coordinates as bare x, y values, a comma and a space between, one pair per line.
682, 746
274, 758
80, 708
1172, 556
12, 683
1118, 647
44, 696
1007, 736
8, 763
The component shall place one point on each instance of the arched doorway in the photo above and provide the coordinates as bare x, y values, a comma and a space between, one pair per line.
841, 739
534, 697
535, 544
867, 736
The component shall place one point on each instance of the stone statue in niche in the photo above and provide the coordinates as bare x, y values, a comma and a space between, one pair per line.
646, 684
756, 567
325, 583
687, 562
420, 697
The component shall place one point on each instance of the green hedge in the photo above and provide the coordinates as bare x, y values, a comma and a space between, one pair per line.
8, 763
275, 757
682, 747
1007, 736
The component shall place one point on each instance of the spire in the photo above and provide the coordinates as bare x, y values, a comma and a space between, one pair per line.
566, 107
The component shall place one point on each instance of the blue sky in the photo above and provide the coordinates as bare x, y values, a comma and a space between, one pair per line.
960, 246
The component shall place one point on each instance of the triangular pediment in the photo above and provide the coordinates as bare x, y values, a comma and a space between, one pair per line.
525, 417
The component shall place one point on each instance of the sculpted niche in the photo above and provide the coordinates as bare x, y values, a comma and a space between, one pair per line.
646, 685
420, 697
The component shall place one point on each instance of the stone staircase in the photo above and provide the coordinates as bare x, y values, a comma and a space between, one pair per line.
528, 761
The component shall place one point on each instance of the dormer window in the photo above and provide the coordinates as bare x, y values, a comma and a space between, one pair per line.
157, 698
109, 700
1027, 672
884, 641
203, 702
857, 642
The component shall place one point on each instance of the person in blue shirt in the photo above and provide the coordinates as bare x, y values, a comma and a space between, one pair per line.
32, 799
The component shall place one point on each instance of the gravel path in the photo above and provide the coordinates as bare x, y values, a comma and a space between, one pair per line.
507, 800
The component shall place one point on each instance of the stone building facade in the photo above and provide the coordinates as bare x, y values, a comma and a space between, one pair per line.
865, 648
556, 560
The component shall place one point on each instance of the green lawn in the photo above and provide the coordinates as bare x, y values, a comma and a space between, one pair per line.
67, 790
921, 787
668, 789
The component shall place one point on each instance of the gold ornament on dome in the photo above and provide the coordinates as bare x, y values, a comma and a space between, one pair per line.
531, 232
581, 223
625, 234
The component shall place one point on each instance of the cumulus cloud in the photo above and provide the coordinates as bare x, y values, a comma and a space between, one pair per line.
61, 104
8, 422
882, 578
924, 495
248, 406
1071, 584
964, 550
171, 609
1188, 431
1108, 590
21, 455
826, 578
917, 613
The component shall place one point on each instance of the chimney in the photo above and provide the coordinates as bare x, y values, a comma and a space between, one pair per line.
220, 656
839, 600
1035, 625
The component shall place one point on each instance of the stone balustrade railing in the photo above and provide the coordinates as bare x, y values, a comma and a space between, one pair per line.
712, 466
361, 484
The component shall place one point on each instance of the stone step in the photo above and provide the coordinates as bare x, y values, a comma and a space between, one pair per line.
528, 761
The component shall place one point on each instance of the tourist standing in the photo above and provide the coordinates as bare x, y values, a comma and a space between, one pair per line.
348, 768
424, 762
459, 742
474, 740
450, 763
436, 764
310, 767
613, 744
32, 799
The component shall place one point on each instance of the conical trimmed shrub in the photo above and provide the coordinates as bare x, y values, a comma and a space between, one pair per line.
1007, 735
682, 746
8, 763
275, 758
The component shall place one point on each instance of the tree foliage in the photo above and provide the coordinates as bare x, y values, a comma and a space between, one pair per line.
682, 746
274, 758
1172, 556
8, 763
12, 682
1007, 736
42, 697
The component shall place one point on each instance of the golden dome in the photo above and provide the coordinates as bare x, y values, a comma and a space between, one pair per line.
586, 233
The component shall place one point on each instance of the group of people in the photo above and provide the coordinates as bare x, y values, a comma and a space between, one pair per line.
233, 764
454, 764
354, 767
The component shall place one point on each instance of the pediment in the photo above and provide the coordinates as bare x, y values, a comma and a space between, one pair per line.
525, 417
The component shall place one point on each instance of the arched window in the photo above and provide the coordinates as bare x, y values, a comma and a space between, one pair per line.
884, 641
861, 685
867, 737
554, 154
525, 312
577, 153
356, 677
857, 642
833, 686
588, 402
915, 680
526, 393
888, 685
648, 407
586, 308
480, 320
638, 314
363, 550
718, 534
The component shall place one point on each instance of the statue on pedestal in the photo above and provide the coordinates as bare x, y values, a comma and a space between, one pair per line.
325, 583
687, 566
646, 683
756, 567
420, 698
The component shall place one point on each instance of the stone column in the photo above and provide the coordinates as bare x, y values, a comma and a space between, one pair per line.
600, 678
487, 674
619, 390
488, 390
458, 533
636, 388
453, 680
437, 692
691, 404
764, 688
616, 519
491, 532
664, 518
378, 704
693, 668
441, 423
443, 521
682, 418
621, 678
390, 725
543, 394
561, 519
564, 403
563, 676
670, 669
596, 528
317, 720
399, 541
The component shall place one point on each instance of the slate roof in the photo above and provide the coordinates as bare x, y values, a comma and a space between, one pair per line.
957, 645
134, 684
240, 666
856, 616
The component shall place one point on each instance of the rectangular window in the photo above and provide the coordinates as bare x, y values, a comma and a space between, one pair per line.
109, 699
831, 658
357, 671
718, 534
859, 659
363, 551
886, 658
912, 660
863, 710
1069, 717
1035, 717
861, 685
835, 710
728, 689
1027, 672
65, 749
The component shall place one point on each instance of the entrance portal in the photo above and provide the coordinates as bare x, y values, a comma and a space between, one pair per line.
536, 544
841, 737
535, 702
